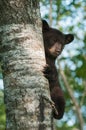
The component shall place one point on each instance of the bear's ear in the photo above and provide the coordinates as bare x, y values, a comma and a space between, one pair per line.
69, 38
45, 26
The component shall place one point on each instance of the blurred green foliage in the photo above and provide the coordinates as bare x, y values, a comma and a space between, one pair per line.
69, 16
2, 111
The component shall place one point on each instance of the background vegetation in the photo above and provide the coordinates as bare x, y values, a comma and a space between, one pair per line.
69, 16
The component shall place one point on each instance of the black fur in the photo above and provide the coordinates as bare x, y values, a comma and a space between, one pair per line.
54, 42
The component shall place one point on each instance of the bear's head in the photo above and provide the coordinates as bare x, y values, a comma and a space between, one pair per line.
54, 40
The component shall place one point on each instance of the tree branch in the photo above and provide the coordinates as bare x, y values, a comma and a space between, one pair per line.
70, 91
84, 94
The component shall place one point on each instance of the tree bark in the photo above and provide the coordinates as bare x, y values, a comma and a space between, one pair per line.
22, 54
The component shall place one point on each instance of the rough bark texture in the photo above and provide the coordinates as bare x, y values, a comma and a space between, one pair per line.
19, 11
22, 54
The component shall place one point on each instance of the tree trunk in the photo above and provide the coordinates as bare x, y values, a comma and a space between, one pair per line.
22, 54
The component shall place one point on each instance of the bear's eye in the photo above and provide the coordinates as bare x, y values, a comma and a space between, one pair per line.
53, 41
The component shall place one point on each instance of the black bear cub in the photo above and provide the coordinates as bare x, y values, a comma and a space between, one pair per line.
54, 42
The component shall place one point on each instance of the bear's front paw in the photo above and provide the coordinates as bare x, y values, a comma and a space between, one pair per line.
54, 108
46, 70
